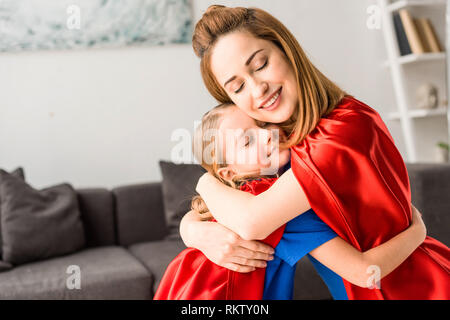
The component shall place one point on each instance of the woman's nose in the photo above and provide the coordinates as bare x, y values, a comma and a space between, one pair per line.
260, 89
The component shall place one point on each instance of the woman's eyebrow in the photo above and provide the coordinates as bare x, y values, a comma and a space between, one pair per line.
252, 56
246, 63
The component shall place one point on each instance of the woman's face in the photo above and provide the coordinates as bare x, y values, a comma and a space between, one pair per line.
249, 149
256, 75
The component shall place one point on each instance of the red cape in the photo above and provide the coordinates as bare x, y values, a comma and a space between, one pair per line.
191, 276
356, 182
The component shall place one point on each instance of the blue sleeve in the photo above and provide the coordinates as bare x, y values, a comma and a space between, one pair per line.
302, 235
279, 280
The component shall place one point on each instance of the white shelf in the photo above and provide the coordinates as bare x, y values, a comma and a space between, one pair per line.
398, 5
412, 58
420, 113
400, 70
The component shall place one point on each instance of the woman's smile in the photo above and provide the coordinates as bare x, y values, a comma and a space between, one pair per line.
272, 102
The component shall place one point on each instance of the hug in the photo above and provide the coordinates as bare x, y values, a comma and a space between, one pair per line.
340, 194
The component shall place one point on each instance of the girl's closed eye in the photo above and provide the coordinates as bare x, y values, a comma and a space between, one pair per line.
248, 141
240, 88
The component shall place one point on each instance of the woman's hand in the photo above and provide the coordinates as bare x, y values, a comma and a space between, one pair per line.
222, 246
418, 223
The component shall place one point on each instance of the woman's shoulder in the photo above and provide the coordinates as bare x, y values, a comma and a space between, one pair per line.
352, 124
350, 107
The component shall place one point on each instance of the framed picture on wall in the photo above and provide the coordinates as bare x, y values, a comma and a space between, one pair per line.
71, 24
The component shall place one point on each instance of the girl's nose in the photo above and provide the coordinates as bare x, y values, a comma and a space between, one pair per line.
265, 136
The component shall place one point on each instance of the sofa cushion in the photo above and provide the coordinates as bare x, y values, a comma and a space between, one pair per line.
17, 173
105, 273
178, 187
38, 224
156, 256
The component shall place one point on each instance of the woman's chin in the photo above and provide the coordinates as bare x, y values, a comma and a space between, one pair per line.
279, 115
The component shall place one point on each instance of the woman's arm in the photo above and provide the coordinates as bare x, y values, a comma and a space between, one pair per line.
254, 217
353, 265
222, 246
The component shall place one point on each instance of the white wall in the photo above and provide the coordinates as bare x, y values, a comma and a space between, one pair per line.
105, 117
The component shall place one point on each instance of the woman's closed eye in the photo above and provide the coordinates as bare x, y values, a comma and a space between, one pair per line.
257, 69
263, 66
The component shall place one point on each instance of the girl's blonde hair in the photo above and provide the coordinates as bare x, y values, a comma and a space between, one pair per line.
317, 95
214, 159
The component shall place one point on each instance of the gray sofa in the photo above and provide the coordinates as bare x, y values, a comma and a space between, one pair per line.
127, 248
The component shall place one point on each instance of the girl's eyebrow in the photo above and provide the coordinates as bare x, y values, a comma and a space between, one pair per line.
246, 63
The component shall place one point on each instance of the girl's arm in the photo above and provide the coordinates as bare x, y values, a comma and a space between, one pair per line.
254, 217
222, 246
353, 265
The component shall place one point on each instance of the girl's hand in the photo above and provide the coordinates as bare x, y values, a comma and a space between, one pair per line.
224, 247
417, 222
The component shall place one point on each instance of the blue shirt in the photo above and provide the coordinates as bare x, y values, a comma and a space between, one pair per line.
301, 235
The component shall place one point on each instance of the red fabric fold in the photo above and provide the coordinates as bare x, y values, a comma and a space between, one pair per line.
191, 276
357, 183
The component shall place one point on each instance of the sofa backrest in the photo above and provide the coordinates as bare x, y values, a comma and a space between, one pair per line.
97, 215
139, 213
430, 193
135, 213
122, 216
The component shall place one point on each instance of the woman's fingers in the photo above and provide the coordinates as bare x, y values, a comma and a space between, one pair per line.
249, 262
256, 246
239, 268
251, 255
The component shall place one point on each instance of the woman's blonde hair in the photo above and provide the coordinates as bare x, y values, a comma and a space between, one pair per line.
208, 152
317, 95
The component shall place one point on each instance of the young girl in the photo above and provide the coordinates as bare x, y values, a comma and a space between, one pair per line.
237, 160
345, 165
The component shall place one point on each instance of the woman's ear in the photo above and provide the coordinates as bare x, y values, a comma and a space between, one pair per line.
226, 173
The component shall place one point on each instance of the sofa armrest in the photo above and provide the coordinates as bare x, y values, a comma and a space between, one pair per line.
430, 190
139, 213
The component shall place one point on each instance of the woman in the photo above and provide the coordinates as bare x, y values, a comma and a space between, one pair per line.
345, 165
191, 276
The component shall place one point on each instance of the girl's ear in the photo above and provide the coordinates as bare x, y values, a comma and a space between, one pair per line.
226, 173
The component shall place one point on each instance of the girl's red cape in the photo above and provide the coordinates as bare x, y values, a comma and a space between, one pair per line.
191, 276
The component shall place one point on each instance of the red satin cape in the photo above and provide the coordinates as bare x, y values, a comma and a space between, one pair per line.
191, 276
356, 182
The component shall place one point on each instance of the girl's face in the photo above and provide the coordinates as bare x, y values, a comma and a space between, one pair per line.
249, 149
256, 75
